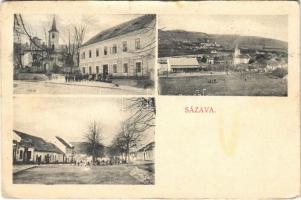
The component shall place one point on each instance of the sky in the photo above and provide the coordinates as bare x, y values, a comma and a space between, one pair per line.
95, 24
268, 26
69, 117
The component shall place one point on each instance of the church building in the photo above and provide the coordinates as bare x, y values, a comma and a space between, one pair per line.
53, 42
40, 57
239, 58
54, 60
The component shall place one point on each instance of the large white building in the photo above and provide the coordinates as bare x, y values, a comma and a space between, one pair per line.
126, 50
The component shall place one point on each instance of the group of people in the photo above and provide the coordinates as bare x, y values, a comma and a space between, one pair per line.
76, 77
87, 77
113, 161
212, 80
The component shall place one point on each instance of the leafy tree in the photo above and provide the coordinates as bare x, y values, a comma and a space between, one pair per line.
279, 72
204, 59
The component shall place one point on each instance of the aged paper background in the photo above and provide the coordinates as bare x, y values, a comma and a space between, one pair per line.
249, 148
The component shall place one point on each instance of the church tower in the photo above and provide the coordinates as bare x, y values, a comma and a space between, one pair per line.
236, 55
53, 36
237, 51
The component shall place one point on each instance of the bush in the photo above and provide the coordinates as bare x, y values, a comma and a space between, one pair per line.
31, 76
279, 72
147, 83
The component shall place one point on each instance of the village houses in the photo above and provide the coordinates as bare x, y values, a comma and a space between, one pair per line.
145, 153
32, 149
126, 50
65, 147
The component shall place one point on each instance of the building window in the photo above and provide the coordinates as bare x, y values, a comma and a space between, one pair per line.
53, 35
125, 68
124, 46
114, 49
137, 43
114, 68
83, 55
21, 154
90, 53
138, 67
90, 70
105, 51
97, 52
84, 70
97, 69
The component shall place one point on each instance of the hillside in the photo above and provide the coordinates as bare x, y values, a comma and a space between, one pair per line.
180, 35
251, 42
179, 42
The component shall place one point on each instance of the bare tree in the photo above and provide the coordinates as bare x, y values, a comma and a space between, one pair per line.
133, 129
143, 113
93, 137
17, 42
79, 35
20, 28
127, 139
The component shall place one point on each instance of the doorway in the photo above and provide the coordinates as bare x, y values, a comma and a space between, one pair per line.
105, 71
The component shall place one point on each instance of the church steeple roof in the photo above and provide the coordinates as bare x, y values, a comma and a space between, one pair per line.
53, 27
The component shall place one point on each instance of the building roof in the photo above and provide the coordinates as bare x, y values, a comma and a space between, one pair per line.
162, 60
81, 147
242, 56
66, 144
36, 38
16, 138
148, 147
38, 143
121, 29
183, 62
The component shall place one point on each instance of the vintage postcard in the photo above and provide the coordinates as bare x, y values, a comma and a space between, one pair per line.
141, 99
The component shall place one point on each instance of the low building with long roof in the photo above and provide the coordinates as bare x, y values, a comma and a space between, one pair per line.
33, 149
183, 64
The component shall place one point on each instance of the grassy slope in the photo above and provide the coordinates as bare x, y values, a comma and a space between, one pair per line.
231, 85
169, 41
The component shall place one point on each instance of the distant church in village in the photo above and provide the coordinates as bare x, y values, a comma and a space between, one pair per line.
239, 58
53, 35
40, 57
55, 57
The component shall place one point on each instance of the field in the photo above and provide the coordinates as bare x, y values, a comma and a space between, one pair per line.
71, 174
235, 84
